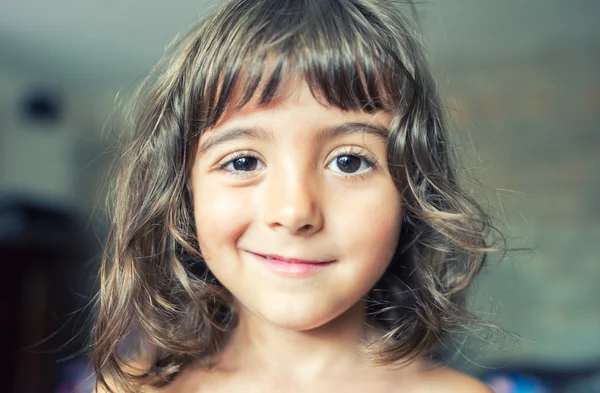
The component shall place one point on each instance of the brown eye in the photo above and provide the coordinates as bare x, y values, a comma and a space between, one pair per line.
245, 164
351, 164
242, 163
348, 164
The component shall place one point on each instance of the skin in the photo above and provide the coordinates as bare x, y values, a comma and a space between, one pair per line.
296, 191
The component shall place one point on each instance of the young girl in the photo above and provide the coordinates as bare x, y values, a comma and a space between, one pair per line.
288, 216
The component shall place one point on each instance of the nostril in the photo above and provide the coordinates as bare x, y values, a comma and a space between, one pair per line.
305, 228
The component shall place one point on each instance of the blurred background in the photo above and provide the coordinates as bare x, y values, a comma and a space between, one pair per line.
520, 78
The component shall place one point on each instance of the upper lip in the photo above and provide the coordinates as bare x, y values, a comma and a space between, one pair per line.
292, 260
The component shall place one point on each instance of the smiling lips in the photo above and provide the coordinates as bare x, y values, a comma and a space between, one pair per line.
292, 266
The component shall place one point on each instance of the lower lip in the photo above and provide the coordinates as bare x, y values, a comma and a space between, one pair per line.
296, 269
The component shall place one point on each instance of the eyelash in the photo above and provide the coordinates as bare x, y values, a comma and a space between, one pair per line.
370, 159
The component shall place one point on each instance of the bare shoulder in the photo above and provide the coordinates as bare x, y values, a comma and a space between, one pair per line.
440, 379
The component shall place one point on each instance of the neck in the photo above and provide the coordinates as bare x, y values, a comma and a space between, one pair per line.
307, 354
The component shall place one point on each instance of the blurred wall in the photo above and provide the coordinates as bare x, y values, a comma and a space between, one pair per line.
522, 84
533, 120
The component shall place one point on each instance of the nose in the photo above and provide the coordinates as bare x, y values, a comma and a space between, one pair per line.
292, 203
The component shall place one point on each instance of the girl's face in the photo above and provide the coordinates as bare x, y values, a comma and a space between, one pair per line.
296, 212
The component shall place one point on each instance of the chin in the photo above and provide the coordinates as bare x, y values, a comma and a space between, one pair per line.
299, 324
299, 318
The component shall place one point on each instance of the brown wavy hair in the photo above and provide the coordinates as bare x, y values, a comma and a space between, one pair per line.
357, 55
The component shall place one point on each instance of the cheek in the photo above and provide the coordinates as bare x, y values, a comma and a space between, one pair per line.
371, 232
221, 215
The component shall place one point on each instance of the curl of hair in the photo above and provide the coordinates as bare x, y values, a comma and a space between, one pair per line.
360, 55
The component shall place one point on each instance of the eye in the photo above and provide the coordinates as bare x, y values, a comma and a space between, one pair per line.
245, 164
242, 162
351, 164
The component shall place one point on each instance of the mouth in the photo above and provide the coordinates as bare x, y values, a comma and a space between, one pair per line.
273, 257
292, 266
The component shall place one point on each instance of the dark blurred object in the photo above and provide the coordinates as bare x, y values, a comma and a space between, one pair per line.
41, 249
516, 383
532, 379
43, 105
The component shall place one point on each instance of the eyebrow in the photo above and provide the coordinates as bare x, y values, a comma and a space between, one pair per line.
336, 131
215, 138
